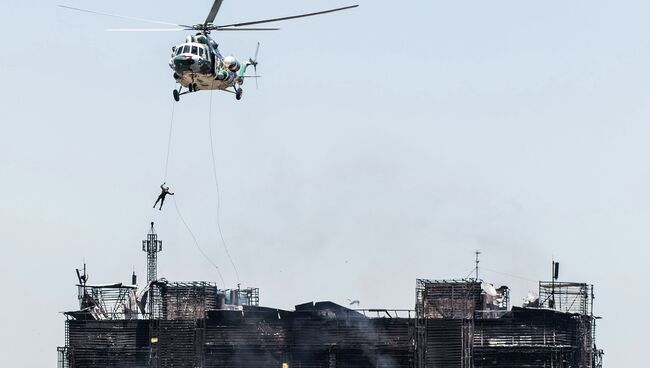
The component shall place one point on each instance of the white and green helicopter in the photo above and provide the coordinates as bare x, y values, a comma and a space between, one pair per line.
198, 65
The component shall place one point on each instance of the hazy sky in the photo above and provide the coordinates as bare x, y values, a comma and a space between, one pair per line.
384, 145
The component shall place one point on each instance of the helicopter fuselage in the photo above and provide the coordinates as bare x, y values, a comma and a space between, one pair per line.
198, 65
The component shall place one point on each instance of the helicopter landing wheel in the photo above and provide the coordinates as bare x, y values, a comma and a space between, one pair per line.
195, 87
191, 87
238, 93
177, 95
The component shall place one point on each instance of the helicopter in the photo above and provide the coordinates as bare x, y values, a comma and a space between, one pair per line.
197, 63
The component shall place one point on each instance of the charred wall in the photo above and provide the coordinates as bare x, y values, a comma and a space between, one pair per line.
187, 300
255, 337
448, 299
97, 344
451, 329
532, 338
447, 343
353, 341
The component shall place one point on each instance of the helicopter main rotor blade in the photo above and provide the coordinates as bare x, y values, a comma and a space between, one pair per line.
285, 18
213, 11
145, 29
247, 29
123, 16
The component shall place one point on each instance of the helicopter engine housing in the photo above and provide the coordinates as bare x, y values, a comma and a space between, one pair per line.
231, 63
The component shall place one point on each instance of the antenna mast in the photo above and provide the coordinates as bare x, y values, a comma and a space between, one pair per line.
477, 253
555, 274
152, 246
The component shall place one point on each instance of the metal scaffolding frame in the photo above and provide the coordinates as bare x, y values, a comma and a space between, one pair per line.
567, 297
451, 299
186, 300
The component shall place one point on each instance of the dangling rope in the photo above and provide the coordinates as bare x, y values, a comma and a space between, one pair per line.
178, 211
196, 242
169, 140
216, 184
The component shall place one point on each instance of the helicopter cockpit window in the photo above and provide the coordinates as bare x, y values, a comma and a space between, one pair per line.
194, 50
201, 51
186, 49
179, 50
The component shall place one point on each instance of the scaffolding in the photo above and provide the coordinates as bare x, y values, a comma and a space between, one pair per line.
101, 302
248, 296
186, 300
446, 310
567, 297
449, 299
63, 357
467, 324
531, 337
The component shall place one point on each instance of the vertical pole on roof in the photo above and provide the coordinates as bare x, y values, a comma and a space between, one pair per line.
477, 253
152, 246
552, 301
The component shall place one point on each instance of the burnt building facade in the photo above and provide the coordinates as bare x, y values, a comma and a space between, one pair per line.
468, 323
454, 324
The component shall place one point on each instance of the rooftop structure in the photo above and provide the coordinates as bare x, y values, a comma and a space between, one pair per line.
454, 324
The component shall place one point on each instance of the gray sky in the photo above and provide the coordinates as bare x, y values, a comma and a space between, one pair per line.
384, 145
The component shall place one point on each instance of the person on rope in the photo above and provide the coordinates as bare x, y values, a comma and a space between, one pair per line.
161, 197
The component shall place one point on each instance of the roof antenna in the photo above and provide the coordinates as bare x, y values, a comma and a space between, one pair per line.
82, 277
477, 253
555, 275
152, 246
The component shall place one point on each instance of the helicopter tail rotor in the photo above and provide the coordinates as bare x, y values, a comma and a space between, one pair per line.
253, 62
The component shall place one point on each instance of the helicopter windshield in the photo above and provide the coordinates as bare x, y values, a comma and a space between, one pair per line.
194, 50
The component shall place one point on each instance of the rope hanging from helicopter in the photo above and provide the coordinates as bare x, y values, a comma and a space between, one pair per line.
176, 207
216, 185
169, 141
196, 242
217, 189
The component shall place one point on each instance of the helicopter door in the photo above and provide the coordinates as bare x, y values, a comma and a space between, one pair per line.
212, 59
